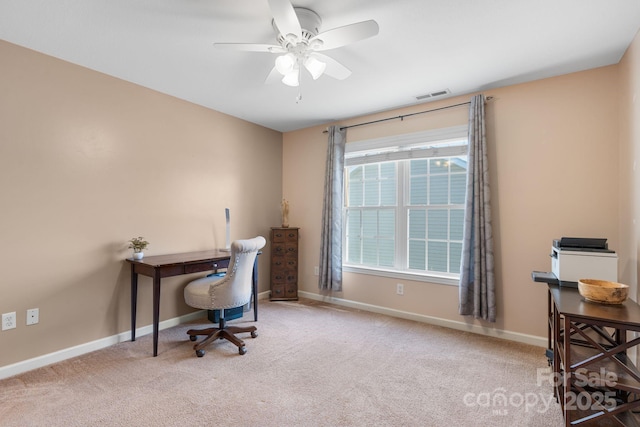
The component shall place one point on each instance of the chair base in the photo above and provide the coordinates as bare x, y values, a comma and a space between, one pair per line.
223, 332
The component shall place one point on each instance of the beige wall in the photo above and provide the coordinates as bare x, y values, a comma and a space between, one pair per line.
629, 162
87, 162
554, 172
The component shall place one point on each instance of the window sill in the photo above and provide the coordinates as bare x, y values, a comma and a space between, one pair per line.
403, 275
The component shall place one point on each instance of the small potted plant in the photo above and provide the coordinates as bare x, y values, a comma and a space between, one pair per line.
138, 244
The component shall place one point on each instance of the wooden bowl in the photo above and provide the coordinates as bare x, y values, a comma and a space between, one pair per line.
603, 291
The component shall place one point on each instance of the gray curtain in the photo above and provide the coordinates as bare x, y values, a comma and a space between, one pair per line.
477, 279
331, 233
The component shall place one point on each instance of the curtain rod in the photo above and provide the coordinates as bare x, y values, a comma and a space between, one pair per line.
401, 117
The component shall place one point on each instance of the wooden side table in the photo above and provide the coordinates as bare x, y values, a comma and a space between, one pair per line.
595, 379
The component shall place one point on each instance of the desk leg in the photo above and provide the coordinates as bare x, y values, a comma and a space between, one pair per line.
254, 279
568, 373
134, 301
621, 338
156, 312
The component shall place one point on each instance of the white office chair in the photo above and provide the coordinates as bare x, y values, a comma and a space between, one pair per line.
219, 293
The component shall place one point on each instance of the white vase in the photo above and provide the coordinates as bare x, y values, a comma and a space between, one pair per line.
138, 255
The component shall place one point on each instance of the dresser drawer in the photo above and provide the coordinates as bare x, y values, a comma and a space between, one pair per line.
277, 291
291, 236
291, 291
284, 235
284, 276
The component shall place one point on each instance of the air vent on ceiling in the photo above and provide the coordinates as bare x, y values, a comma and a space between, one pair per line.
433, 94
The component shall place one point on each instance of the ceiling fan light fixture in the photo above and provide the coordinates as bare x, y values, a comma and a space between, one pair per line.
292, 78
285, 64
315, 67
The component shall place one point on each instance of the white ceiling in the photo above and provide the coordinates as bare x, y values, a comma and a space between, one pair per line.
423, 46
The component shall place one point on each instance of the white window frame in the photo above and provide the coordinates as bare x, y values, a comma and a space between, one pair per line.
402, 147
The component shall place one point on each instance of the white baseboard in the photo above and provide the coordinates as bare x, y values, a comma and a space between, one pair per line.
67, 353
462, 326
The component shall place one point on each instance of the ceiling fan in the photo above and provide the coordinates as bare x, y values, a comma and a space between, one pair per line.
300, 43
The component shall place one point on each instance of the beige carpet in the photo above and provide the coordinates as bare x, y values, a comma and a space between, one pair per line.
311, 365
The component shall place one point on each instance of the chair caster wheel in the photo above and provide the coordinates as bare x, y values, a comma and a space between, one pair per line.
199, 353
242, 350
193, 337
254, 334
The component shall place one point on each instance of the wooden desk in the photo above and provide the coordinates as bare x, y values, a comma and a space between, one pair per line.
160, 266
590, 341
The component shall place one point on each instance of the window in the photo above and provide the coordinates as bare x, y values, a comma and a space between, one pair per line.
404, 205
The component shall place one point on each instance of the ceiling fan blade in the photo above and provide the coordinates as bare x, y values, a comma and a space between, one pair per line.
341, 36
250, 47
334, 68
285, 18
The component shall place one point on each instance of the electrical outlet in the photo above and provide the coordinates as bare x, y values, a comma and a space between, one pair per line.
8, 321
400, 289
33, 316
316, 271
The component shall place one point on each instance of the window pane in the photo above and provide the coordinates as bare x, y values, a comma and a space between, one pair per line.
371, 171
439, 166
353, 236
371, 193
458, 164
353, 223
369, 251
418, 167
417, 224
387, 227
458, 189
437, 256
387, 253
417, 254
418, 182
353, 253
455, 257
418, 191
388, 170
439, 190
456, 224
438, 224
370, 223
355, 173
388, 190
356, 196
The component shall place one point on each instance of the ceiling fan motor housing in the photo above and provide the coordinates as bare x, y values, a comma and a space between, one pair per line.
310, 23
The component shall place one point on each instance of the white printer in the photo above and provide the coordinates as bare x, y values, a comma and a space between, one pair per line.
575, 258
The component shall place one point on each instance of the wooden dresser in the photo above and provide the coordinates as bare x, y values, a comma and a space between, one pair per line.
284, 263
